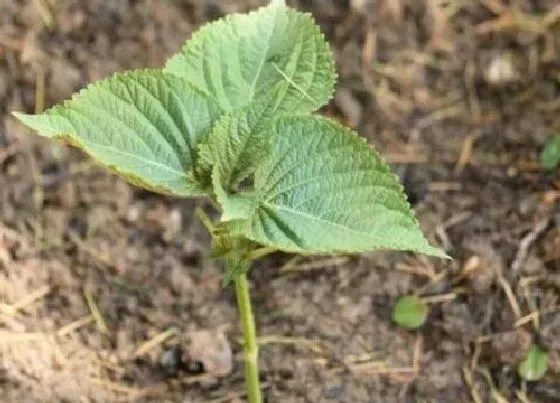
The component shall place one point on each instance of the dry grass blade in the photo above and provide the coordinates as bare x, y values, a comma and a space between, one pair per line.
526, 243
468, 376
466, 152
25, 301
382, 370
11, 44
476, 356
95, 311
514, 304
514, 20
417, 356
439, 298
526, 319
154, 342
73, 326
80, 244
419, 270
45, 10
294, 266
361, 368
496, 395
7, 338
313, 345
40, 91
522, 396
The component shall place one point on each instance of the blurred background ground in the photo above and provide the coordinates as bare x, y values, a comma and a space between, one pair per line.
106, 292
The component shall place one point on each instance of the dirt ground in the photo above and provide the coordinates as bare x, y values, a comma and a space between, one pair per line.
107, 293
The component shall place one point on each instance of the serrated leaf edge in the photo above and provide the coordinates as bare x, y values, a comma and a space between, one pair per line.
74, 141
227, 19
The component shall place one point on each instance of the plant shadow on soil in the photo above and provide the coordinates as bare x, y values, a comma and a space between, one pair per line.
104, 286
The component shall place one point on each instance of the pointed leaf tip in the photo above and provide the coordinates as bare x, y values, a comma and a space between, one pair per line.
24, 118
323, 190
143, 125
46, 124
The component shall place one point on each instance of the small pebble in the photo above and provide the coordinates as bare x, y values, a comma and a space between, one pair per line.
501, 70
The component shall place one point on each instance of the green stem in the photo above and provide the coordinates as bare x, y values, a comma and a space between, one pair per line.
250, 336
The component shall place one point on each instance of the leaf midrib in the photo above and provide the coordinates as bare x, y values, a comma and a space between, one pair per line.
265, 54
134, 156
321, 220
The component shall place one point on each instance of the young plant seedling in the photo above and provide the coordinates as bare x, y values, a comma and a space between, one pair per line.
410, 312
230, 117
535, 365
550, 154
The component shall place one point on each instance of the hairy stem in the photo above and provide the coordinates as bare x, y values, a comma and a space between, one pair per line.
250, 338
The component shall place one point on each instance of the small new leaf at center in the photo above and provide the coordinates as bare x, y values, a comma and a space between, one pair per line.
235, 207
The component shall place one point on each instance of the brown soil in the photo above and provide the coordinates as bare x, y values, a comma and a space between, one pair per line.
103, 287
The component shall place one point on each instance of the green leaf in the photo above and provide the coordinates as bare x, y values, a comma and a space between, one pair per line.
236, 145
235, 207
322, 189
535, 364
144, 125
275, 54
235, 266
410, 312
550, 155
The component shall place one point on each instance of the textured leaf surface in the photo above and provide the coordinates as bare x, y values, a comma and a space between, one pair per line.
323, 189
236, 145
275, 53
144, 125
235, 207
